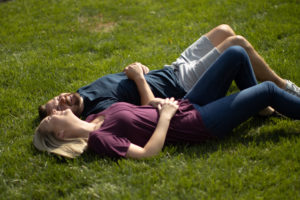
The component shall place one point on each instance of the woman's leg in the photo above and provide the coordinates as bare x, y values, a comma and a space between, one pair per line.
224, 114
233, 64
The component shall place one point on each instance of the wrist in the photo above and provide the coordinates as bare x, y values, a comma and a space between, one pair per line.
166, 116
139, 79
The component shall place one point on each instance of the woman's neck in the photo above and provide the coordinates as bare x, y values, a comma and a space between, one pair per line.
82, 129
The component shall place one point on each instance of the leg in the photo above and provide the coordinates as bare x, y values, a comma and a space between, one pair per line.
187, 72
233, 64
223, 37
261, 69
200, 56
197, 58
224, 114
220, 33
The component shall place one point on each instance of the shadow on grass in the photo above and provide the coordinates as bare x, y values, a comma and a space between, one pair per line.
241, 135
35, 122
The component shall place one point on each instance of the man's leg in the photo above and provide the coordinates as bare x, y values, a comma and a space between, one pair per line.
233, 64
223, 37
218, 40
186, 65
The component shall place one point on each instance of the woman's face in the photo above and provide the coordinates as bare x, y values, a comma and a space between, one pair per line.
58, 123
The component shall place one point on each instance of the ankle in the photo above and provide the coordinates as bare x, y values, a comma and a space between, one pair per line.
282, 83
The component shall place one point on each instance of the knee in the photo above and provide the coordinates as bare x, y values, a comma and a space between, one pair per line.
269, 86
241, 41
226, 30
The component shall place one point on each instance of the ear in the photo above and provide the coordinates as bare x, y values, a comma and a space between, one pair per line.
60, 135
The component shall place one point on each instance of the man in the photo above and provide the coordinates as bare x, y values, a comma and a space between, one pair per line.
171, 81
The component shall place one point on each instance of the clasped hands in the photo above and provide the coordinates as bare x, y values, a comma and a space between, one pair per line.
166, 107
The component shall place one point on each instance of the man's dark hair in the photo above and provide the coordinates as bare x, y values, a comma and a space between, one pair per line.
42, 112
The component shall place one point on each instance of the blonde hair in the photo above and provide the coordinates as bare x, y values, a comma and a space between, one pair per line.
71, 148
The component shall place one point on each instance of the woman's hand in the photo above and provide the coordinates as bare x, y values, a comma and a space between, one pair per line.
136, 70
156, 101
168, 108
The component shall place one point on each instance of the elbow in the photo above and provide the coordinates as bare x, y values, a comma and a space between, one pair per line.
147, 154
140, 153
151, 152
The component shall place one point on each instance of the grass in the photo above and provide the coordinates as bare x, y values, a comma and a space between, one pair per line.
48, 47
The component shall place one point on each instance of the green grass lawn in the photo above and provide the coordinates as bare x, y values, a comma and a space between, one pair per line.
48, 47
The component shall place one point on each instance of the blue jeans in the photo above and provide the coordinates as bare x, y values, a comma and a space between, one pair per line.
221, 113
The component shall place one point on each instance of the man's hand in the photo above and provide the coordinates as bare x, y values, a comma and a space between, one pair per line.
168, 108
156, 101
136, 70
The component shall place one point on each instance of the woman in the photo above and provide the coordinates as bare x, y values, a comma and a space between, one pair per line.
126, 130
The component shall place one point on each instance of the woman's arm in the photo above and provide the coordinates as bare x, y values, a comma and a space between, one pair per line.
155, 144
135, 72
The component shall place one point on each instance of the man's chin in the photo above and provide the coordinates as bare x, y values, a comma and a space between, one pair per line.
78, 103
77, 99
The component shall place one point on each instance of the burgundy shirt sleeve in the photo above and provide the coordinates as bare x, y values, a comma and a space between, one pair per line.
107, 144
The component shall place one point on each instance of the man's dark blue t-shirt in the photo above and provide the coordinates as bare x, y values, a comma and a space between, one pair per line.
113, 88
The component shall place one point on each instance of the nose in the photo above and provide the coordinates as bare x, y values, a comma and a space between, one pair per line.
54, 111
62, 99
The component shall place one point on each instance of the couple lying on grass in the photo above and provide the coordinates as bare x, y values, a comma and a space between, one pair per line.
133, 113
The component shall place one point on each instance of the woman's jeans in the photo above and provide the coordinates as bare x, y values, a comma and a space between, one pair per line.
221, 113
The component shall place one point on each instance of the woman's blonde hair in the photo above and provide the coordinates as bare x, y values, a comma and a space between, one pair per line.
71, 148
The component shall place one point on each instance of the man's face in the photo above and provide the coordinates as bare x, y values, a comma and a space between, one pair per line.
65, 101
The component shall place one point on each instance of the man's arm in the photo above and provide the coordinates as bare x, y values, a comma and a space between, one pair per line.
135, 72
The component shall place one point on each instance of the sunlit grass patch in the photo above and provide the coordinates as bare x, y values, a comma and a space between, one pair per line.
48, 47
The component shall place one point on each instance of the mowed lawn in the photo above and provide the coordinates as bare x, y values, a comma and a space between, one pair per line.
53, 46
